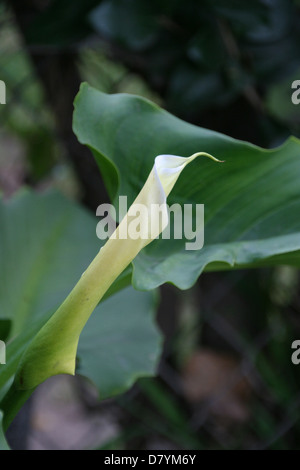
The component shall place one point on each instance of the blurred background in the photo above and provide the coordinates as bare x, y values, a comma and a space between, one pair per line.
225, 380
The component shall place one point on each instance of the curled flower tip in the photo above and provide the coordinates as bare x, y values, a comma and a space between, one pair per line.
208, 155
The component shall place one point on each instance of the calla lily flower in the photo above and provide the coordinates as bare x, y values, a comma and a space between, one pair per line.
53, 350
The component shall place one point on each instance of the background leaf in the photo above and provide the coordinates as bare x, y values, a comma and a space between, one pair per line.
251, 201
46, 243
3, 443
120, 342
132, 24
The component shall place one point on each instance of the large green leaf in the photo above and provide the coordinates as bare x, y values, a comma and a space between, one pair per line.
120, 342
46, 243
252, 201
